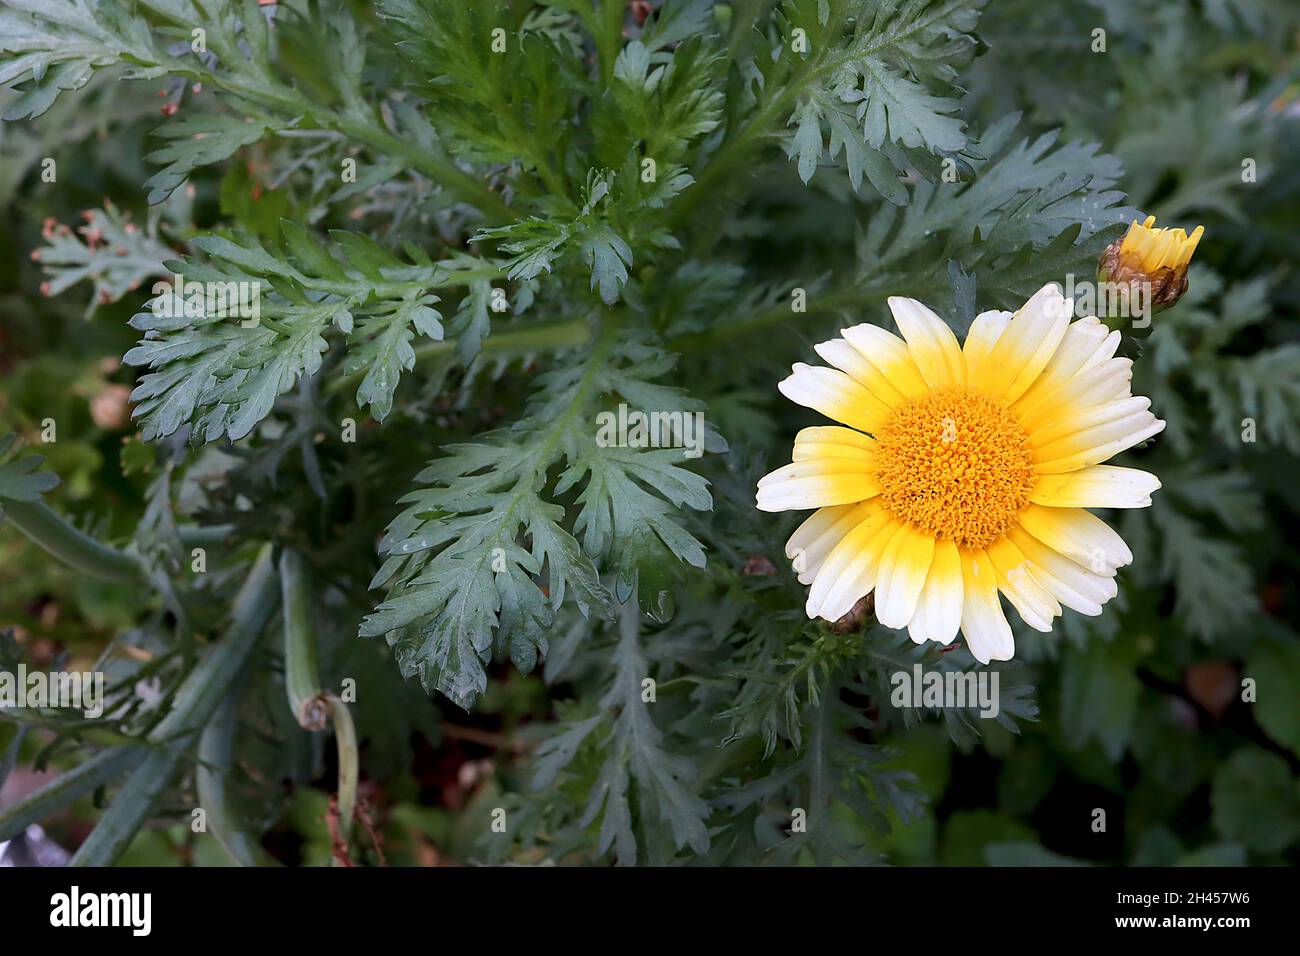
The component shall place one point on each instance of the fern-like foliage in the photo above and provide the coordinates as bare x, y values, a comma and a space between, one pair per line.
617, 213
227, 45
879, 81
634, 764
57, 46
107, 249
22, 478
832, 773
481, 561
1192, 364
506, 229
1034, 211
218, 363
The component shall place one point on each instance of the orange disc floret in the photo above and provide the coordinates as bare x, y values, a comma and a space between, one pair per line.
955, 464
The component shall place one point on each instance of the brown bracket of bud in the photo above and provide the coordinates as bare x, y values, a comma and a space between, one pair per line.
1166, 284
314, 713
858, 615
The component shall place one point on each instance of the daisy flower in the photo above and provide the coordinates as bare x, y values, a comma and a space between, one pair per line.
961, 473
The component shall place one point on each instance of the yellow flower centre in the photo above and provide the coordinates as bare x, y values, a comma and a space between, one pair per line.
956, 464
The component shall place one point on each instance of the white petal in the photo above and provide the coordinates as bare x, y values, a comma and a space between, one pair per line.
1027, 595
813, 540
983, 335
835, 395
816, 483
853, 363
833, 441
903, 570
1070, 583
1080, 536
849, 571
938, 613
933, 346
1027, 345
890, 355
1100, 486
988, 634
1100, 444
1103, 383
1087, 417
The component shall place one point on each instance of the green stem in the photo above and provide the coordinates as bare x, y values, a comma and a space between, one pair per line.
556, 336
216, 761
192, 707
46, 528
721, 167
830, 301
609, 37
67, 788
574, 333
345, 739
57, 722
552, 336
438, 168
9, 759
825, 61
206, 685
301, 669
818, 785
437, 278
193, 536
550, 439
744, 15
310, 704
132, 806
257, 85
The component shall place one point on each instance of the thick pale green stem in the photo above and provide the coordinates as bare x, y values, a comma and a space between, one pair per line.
345, 739
46, 528
216, 762
193, 536
310, 704
301, 669
133, 805
208, 683
436, 166
68, 788
192, 707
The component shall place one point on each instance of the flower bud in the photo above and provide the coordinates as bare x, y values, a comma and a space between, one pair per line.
1149, 264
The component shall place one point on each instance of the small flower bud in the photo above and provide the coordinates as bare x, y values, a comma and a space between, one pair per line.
1149, 264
